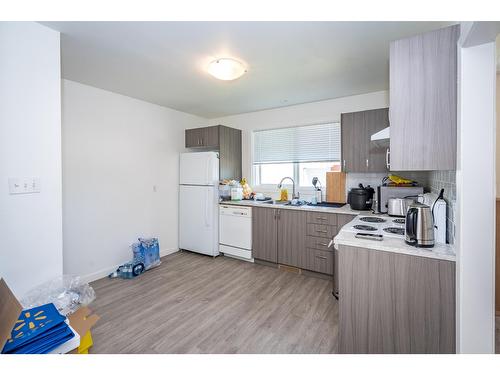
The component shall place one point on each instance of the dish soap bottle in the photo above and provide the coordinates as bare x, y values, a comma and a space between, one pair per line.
283, 194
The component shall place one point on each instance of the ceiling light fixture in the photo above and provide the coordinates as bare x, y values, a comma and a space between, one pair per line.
226, 69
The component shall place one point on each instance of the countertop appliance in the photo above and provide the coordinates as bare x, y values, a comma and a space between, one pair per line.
361, 198
199, 202
379, 225
438, 207
235, 231
385, 192
419, 229
399, 206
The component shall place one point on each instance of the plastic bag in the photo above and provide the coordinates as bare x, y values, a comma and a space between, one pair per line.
147, 251
67, 293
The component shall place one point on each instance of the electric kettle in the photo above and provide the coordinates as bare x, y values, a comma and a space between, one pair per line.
419, 230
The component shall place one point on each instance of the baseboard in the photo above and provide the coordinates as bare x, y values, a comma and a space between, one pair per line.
106, 271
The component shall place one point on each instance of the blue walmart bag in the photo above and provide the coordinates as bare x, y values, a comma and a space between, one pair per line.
147, 251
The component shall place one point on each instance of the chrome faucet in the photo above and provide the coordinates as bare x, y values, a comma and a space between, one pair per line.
293, 187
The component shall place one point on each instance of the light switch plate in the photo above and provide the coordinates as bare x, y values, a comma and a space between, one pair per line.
24, 185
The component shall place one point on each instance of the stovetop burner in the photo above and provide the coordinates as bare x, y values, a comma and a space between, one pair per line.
365, 227
371, 219
393, 230
399, 221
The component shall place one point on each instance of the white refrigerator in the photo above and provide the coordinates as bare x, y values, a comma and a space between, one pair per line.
199, 202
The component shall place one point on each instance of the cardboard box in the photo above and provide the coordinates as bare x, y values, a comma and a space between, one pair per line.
10, 309
80, 321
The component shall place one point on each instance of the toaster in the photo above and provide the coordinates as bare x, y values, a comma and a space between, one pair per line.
385, 192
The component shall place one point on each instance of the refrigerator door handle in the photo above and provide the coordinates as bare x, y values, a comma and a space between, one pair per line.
208, 170
207, 213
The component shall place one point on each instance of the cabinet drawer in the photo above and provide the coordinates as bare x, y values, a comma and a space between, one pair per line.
319, 261
319, 230
319, 243
321, 218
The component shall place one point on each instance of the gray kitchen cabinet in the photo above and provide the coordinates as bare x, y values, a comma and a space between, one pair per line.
351, 135
211, 137
320, 230
265, 234
395, 303
359, 153
376, 120
341, 221
207, 137
192, 138
291, 237
229, 153
321, 218
296, 238
224, 139
319, 261
423, 96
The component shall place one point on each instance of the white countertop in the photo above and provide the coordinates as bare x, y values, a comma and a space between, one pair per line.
346, 209
395, 245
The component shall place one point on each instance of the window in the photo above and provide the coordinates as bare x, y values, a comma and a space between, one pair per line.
309, 170
301, 153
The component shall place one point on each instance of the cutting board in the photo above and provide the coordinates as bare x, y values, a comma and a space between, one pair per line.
335, 187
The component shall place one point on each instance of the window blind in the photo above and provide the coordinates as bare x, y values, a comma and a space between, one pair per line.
312, 143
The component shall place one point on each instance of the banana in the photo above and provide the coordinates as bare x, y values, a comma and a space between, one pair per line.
399, 180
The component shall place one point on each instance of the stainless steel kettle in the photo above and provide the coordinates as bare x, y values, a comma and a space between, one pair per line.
419, 230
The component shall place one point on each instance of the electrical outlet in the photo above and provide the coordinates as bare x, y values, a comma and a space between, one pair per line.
24, 185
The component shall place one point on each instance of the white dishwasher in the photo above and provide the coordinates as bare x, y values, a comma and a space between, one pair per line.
235, 231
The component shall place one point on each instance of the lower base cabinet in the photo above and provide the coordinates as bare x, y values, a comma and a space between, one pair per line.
296, 238
318, 261
395, 303
265, 234
291, 237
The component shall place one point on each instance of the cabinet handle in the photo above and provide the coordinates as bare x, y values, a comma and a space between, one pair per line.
367, 163
321, 218
320, 257
343, 162
321, 231
321, 244
387, 158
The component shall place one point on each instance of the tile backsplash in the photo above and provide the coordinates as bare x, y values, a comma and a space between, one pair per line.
446, 180
432, 181
375, 179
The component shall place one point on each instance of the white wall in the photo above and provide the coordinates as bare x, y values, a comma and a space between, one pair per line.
296, 115
475, 239
116, 150
498, 136
30, 146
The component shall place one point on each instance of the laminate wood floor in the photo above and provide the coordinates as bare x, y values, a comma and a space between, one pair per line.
196, 304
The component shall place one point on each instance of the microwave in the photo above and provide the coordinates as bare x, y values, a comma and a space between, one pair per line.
386, 192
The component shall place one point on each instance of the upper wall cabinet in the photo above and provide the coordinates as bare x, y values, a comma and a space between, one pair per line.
224, 139
203, 137
359, 154
423, 101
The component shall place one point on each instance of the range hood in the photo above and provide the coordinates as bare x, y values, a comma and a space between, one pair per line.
381, 135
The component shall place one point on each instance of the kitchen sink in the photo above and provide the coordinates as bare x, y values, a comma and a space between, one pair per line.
283, 203
288, 203
327, 204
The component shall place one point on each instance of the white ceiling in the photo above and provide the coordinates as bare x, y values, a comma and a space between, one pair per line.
288, 62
